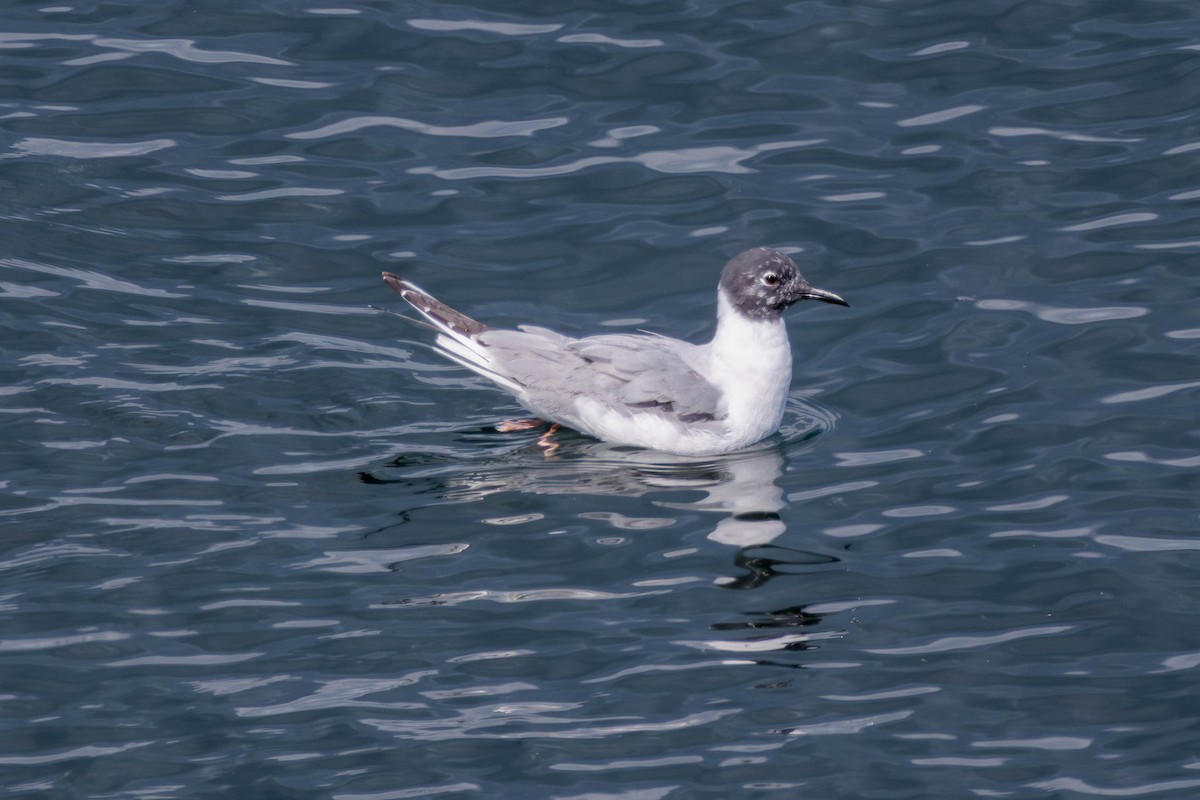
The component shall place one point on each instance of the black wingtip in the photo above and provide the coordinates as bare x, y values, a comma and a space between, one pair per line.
398, 286
435, 310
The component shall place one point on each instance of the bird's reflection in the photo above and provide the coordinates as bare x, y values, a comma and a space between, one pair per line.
741, 489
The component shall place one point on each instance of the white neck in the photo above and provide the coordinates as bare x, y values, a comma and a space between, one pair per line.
750, 360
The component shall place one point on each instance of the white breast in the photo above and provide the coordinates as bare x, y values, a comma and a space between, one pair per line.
750, 361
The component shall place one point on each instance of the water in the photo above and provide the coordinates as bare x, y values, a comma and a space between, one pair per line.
260, 542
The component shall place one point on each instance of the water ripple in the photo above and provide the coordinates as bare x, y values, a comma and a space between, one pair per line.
510, 721
488, 129
950, 643
84, 751
718, 159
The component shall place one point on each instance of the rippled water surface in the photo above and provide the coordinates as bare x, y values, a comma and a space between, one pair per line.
260, 542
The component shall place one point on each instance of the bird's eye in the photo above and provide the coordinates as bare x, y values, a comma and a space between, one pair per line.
770, 279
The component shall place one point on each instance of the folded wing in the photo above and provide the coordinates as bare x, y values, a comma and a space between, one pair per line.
630, 373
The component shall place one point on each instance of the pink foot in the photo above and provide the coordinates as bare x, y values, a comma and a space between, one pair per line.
544, 442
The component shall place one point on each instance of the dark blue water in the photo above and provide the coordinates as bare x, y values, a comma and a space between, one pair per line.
259, 542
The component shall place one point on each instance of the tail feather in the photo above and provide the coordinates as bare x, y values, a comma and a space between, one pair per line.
433, 309
456, 331
471, 359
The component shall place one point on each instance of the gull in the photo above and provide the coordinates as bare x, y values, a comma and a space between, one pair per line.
644, 389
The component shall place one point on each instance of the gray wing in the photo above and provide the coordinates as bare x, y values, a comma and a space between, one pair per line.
652, 373
635, 373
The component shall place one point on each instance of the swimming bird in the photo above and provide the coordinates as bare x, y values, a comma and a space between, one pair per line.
645, 389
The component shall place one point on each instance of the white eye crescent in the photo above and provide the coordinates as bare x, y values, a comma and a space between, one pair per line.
770, 279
